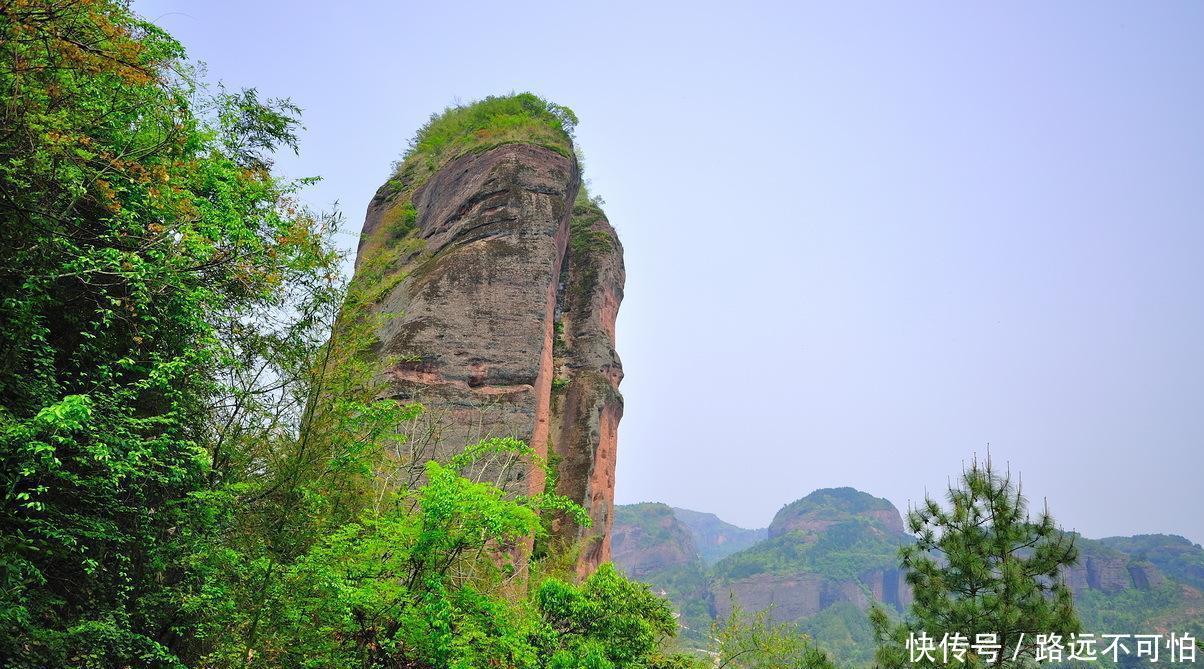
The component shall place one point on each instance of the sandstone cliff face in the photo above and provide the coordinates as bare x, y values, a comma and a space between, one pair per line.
1108, 570
1162, 556
1109, 574
797, 595
586, 404
497, 313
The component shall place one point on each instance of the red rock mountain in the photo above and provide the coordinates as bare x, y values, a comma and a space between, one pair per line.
501, 282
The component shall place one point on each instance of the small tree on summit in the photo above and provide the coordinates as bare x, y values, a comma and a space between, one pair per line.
983, 566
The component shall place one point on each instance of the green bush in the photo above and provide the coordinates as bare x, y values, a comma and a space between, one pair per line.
465, 126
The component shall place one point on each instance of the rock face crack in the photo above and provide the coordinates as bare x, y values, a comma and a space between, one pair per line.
505, 322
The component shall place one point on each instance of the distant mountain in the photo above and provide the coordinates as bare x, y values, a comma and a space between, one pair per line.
1146, 584
648, 539
821, 562
715, 538
1179, 558
826, 507
827, 556
836, 544
649, 543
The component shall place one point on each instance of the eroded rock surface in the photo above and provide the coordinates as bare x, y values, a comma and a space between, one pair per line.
586, 404
500, 288
1109, 570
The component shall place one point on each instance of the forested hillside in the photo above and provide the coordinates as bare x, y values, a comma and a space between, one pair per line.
830, 555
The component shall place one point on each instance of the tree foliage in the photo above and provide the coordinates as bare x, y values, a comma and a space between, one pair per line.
982, 565
143, 241
757, 642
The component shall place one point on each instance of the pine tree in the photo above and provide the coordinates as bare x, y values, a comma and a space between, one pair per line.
981, 566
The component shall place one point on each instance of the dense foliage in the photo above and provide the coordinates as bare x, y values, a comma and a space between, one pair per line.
1161, 608
844, 631
756, 642
142, 230
193, 475
495, 120
846, 549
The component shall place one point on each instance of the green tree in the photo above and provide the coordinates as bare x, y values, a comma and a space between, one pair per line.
982, 565
756, 642
608, 621
146, 255
413, 582
433, 577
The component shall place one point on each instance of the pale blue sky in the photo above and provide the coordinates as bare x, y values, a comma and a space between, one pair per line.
863, 240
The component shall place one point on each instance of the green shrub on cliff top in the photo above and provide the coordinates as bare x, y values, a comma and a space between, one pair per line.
522, 118
506, 119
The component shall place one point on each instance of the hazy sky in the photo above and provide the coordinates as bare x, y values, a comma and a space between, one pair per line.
862, 241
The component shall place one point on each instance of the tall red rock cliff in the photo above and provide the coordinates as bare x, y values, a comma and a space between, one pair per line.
499, 285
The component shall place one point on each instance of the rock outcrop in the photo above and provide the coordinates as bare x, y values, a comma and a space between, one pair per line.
792, 596
495, 283
1111, 569
585, 404
1161, 555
